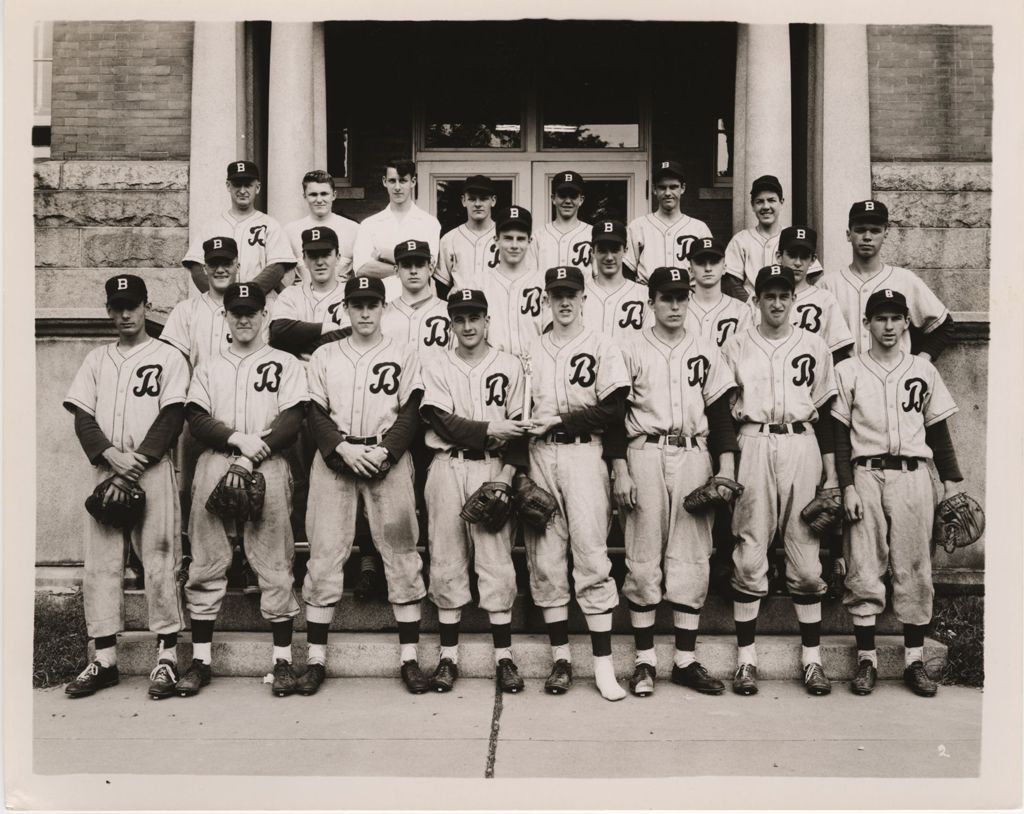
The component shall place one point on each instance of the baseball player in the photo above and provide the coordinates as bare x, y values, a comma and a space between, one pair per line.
565, 241
663, 237
401, 219
245, 406
417, 315
264, 256
891, 412
852, 286
365, 396
614, 305
579, 387
785, 380
677, 417
469, 250
319, 194
472, 399
709, 312
128, 402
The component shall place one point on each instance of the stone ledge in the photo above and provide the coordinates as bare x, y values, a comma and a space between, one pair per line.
970, 210
921, 248
928, 175
960, 289
47, 174
59, 289
133, 247
124, 207
172, 175
58, 248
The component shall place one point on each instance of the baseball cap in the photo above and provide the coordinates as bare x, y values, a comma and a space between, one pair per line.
705, 245
563, 277
766, 182
512, 216
128, 288
870, 211
886, 299
412, 248
319, 237
243, 171
567, 179
467, 299
244, 295
612, 231
667, 278
223, 248
479, 183
365, 287
794, 236
673, 168
771, 275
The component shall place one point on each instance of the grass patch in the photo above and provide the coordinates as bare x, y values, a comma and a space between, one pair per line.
59, 640
959, 623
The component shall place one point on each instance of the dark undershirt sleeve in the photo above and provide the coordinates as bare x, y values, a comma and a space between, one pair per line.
270, 278
614, 441
329, 337
325, 431
842, 353
734, 288
443, 289
285, 428
163, 432
937, 437
824, 430
844, 454
721, 430
935, 342
597, 418
628, 273
517, 453
465, 433
294, 336
407, 426
206, 429
93, 440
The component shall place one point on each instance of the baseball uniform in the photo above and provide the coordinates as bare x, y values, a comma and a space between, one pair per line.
344, 228
515, 304
554, 247
383, 230
197, 328
620, 313
261, 242
465, 257
719, 322
302, 303
425, 325
815, 310
749, 251
653, 243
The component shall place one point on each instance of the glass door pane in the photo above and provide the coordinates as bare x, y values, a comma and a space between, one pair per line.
440, 186
614, 189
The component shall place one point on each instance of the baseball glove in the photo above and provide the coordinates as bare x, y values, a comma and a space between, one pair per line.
534, 505
117, 502
706, 496
238, 495
489, 505
959, 521
824, 514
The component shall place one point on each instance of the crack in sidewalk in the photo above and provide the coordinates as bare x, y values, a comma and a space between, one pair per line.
492, 746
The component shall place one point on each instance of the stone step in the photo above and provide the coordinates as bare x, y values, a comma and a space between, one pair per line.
374, 655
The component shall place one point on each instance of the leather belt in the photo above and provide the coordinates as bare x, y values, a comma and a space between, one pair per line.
889, 462
685, 441
794, 428
567, 438
472, 454
364, 440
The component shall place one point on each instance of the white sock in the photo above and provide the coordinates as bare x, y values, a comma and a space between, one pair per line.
408, 653
500, 617
316, 654
201, 651
449, 616
167, 654
604, 675
107, 656
321, 614
647, 657
912, 654
407, 613
746, 611
559, 614
642, 619
747, 654
283, 653
810, 655
684, 658
450, 653
502, 653
561, 651
868, 655
686, 621
808, 614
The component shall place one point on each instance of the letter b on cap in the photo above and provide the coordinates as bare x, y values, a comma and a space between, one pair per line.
315, 234
364, 282
240, 166
243, 290
674, 273
608, 226
560, 273
869, 206
218, 243
888, 293
513, 212
122, 283
664, 165
568, 176
410, 245
467, 294
801, 234
776, 270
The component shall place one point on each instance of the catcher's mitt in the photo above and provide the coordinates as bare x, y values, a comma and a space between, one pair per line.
959, 521
117, 502
706, 496
824, 514
238, 495
489, 505
534, 505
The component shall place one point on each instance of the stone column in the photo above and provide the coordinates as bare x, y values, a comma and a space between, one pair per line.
290, 152
319, 98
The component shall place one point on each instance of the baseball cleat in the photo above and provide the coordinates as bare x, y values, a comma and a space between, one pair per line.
162, 680
815, 680
837, 579
309, 682
250, 582
641, 683
445, 676
369, 585
744, 682
917, 680
92, 678
196, 677
284, 679
695, 676
864, 682
508, 677
415, 681
560, 679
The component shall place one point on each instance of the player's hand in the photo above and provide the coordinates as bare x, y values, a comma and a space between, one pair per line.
251, 446
354, 456
852, 507
542, 426
506, 430
376, 456
951, 488
623, 487
126, 464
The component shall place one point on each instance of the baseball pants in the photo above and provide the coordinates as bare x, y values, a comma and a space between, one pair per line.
454, 543
576, 475
390, 506
663, 540
268, 543
896, 528
157, 542
781, 475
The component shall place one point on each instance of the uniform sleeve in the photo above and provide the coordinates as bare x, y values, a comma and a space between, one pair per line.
93, 440
279, 250
293, 235
611, 370
177, 330
316, 379
285, 428
195, 250
323, 429
719, 380
634, 248
824, 386
446, 261
436, 392
926, 310
842, 406
837, 331
286, 306
163, 432
516, 391
362, 249
199, 388
84, 389
206, 429
293, 389
174, 382
735, 260
434, 239
400, 436
411, 380
940, 404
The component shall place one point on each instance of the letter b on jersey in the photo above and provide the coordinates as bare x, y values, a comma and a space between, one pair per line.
584, 370
804, 367
387, 374
497, 390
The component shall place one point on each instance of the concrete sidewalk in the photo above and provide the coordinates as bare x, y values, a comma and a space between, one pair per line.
373, 727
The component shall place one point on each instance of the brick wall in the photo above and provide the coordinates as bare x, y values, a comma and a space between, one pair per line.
121, 90
931, 93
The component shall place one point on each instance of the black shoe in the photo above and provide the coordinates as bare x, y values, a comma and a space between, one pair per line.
917, 679
837, 579
309, 682
696, 677
641, 683
777, 579
196, 676
864, 682
163, 680
445, 676
560, 679
508, 677
744, 682
92, 678
815, 680
415, 681
284, 679
369, 585
250, 582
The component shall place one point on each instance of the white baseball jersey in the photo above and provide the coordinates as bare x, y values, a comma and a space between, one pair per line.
490, 390
198, 329
125, 389
651, 242
248, 392
749, 251
302, 303
671, 386
852, 291
364, 389
887, 410
582, 372
816, 310
553, 247
620, 313
466, 256
779, 381
727, 317
515, 306
382, 231
261, 241
427, 325
344, 228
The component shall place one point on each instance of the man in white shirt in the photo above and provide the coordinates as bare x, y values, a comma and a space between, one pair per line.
318, 193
